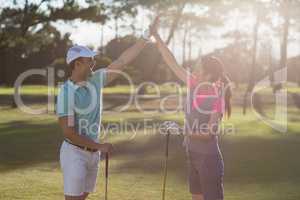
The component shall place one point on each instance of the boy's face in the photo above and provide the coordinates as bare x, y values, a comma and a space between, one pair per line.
85, 66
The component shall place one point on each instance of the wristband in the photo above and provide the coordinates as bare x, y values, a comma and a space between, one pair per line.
146, 35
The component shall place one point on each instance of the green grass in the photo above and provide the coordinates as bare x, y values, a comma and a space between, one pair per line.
125, 89
120, 89
260, 163
43, 90
29, 90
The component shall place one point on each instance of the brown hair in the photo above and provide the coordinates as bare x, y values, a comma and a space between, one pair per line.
72, 67
72, 64
215, 68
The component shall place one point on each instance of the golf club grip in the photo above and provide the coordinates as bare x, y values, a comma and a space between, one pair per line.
106, 175
167, 144
106, 165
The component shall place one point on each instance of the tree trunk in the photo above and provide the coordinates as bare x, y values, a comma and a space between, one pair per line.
253, 66
102, 40
176, 21
184, 45
116, 28
284, 44
271, 69
190, 47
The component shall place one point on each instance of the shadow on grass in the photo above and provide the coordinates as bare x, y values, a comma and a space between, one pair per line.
247, 158
264, 159
25, 144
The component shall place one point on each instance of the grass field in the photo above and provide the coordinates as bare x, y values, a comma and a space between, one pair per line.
121, 89
260, 163
43, 90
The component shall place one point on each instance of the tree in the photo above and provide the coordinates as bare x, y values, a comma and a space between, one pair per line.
118, 11
26, 28
252, 77
173, 7
29, 39
143, 67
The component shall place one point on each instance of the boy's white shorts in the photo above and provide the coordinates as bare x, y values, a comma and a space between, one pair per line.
80, 169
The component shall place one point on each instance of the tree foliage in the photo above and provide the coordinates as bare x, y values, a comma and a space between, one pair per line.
28, 38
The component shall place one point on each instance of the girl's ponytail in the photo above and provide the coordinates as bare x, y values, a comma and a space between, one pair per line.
227, 93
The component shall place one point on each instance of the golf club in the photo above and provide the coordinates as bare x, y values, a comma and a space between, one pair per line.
106, 174
166, 165
168, 127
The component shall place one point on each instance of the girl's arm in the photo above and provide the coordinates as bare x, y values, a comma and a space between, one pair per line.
167, 55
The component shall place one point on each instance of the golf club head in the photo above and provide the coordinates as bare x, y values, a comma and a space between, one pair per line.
170, 127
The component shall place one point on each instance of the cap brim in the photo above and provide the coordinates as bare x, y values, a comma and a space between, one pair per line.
94, 54
91, 55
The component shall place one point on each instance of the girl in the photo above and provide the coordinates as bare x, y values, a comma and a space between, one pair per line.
207, 99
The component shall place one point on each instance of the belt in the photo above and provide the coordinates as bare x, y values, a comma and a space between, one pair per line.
82, 147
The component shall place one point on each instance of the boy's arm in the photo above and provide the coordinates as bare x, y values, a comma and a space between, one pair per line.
70, 134
129, 55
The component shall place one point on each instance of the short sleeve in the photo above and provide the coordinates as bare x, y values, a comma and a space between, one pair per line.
218, 105
65, 102
99, 77
191, 81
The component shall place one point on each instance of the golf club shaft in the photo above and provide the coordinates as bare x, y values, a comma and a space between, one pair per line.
166, 167
106, 174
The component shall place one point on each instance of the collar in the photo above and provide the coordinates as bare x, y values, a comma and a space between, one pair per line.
72, 84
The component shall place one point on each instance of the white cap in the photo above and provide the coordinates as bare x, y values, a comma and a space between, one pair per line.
79, 51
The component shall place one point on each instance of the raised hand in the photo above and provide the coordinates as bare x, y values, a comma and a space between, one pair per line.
106, 148
167, 55
154, 25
